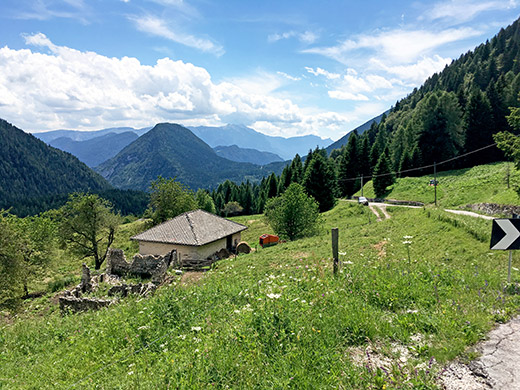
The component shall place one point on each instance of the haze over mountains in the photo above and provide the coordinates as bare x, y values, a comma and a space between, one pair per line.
234, 142
245, 137
171, 150
96, 150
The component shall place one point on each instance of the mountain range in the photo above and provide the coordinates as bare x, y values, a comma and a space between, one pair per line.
171, 150
234, 142
234, 153
245, 137
97, 150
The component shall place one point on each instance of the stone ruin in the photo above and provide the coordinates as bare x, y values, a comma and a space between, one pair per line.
149, 266
145, 266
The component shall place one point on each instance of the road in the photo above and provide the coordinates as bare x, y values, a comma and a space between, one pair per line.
498, 366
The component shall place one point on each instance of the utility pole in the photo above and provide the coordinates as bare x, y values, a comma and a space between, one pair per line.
362, 185
435, 181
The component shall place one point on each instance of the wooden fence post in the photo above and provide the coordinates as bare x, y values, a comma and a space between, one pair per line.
335, 236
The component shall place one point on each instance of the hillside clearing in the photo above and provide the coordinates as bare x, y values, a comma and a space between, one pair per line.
278, 318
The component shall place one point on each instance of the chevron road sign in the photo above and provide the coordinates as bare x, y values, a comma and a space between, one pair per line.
505, 234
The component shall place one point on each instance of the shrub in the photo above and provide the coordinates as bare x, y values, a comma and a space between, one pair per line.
293, 214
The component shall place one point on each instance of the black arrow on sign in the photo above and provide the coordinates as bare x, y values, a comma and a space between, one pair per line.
505, 234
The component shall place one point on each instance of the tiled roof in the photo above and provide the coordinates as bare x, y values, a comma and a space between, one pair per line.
192, 228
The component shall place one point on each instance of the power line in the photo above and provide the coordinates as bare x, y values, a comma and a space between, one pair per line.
419, 168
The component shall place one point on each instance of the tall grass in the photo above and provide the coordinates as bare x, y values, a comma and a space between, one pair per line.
278, 318
483, 183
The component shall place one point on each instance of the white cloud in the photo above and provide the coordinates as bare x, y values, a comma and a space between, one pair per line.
46, 10
67, 88
460, 11
322, 72
288, 76
158, 27
345, 95
416, 73
307, 37
395, 46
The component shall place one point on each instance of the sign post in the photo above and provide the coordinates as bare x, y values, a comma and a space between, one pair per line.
505, 235
335, 247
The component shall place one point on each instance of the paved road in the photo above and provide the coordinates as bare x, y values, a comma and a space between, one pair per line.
498, 366
470, 213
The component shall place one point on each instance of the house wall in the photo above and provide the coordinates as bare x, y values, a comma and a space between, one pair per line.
186, 251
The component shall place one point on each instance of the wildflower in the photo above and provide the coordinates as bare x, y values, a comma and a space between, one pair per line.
196, 328
143, 327
274, 296
182, 336
342, 253
130, 373
407, 242
407, 237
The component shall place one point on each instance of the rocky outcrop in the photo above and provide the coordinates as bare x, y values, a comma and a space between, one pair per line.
86, 282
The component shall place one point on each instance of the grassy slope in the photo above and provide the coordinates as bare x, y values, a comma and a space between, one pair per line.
484, 183
277, 318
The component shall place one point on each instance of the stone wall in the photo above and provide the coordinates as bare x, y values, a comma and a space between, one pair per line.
145, 266
73, 301
72, 304
494, 209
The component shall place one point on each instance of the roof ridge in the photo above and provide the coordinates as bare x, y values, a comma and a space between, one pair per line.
190, 223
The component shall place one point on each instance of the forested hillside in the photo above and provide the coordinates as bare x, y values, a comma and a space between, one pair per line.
171, 150
449, 121
454, 113
31, 169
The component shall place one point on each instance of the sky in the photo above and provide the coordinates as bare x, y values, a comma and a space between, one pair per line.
283, 67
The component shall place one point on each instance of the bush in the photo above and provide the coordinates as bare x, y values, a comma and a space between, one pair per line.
293, 214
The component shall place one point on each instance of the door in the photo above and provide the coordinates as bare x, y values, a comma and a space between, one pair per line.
229, 243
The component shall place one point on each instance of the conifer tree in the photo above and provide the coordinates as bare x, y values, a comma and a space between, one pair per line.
383, 176
319, 182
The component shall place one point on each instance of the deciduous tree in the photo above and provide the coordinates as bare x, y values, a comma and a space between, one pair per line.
87, 226
169, 198
293, 214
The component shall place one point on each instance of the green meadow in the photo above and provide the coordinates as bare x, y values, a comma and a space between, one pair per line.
413, 292
482, 183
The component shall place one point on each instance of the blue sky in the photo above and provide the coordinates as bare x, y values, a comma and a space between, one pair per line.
281, 67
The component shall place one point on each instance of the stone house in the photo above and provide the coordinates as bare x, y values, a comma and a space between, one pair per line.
195, 235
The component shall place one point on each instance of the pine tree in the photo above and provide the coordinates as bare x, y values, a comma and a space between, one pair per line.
319, 182
479, 126
383, 176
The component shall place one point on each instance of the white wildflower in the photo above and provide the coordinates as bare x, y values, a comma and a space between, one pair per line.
274, 296
196, 328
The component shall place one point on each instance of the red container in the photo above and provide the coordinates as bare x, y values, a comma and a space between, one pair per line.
268, 240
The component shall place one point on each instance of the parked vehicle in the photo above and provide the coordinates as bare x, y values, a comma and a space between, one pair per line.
362, 200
